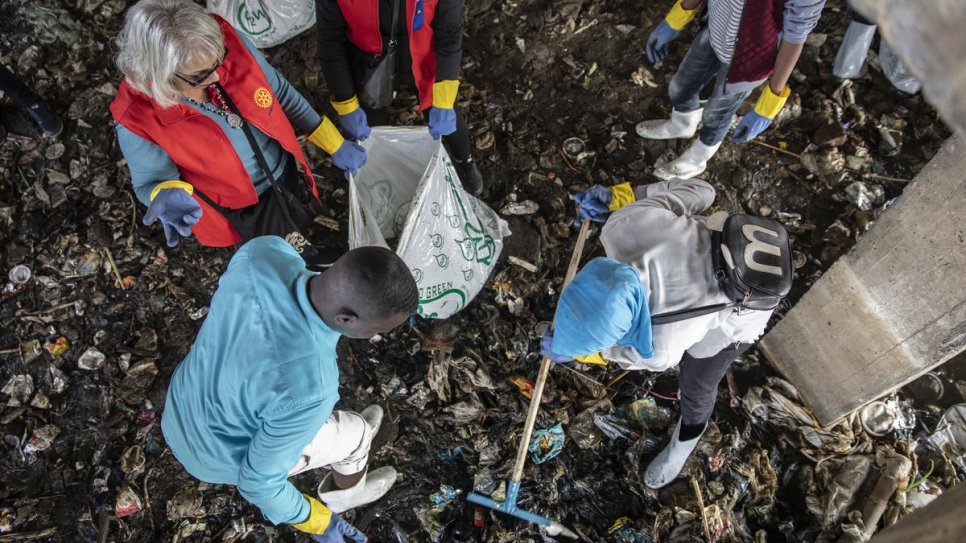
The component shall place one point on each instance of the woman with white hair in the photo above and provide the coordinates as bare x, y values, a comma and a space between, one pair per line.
208, 126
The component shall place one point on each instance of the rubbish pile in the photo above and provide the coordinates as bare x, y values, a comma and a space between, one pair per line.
96, 312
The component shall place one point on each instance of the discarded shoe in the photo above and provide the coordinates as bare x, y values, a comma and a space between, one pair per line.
691, 162
680, 125
668, 463
469, 175
373, 485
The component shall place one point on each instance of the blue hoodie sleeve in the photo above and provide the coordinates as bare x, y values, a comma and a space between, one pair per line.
149, 164
298, 110
274, 449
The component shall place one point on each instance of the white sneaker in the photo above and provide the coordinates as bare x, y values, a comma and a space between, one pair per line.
373, 415
373, 485
668, 464
692, 162
680, 125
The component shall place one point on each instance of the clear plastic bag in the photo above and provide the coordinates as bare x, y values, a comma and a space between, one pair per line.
408, 188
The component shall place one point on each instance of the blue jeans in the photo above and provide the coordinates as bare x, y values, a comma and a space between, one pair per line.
700, 64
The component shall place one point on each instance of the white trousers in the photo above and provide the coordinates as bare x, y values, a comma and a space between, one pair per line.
341, 445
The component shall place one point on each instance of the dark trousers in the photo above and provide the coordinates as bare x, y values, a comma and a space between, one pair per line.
698, 381
12, 86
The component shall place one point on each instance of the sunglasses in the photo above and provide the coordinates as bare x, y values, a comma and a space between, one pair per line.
199, 78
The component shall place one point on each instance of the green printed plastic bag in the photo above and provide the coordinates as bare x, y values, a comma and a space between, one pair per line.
266, 22
409, 190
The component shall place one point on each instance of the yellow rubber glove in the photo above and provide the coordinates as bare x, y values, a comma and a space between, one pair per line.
319, 517
594, 358
621, 195
172, 184
769, 103
678, 17
444, 93
327, 137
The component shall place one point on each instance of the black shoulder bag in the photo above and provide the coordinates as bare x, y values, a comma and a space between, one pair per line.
752, 262
278, 212
380, 74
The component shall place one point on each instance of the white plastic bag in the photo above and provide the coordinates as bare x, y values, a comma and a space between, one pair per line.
266, 22
449, 239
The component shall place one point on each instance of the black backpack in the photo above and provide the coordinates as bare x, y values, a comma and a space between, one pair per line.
752, 262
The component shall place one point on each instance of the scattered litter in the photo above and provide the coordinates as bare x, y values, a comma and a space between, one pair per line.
127, 503
91, 360
546, 443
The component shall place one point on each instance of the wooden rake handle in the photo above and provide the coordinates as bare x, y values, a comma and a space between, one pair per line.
545, 366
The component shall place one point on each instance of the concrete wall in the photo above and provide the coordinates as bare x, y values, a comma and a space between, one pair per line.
891, 309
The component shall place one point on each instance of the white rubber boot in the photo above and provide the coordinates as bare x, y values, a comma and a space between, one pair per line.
668, 464
373, 415
373, 485
680, 125
850, 59
691, 162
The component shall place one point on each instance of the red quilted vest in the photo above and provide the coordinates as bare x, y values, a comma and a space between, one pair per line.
757, 46
200, 148
362, 21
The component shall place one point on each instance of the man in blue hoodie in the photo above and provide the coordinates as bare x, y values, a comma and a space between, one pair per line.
659, 260
253, 402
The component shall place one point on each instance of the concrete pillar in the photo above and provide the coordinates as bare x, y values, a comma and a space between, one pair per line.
891, 309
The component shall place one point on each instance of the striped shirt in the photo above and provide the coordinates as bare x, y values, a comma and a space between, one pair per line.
724, 18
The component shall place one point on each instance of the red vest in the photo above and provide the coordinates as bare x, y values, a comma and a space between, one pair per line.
757, 46
362, 22
200, 148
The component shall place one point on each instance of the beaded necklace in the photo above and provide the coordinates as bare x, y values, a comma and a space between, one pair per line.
218, 106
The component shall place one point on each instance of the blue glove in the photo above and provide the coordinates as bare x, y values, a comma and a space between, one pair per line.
355, 125
656, 47
178, 212
750, 126
349, 157
594, 204
338, 530
442, 122
545, 342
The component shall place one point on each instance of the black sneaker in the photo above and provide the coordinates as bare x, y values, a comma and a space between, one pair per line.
45, 117
469, 175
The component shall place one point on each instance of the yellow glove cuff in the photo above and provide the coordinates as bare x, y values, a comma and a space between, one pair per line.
444, 93
623, 195
679, 17
327, 137
769, 103
346, 107
319, 517
172, 184
594, 358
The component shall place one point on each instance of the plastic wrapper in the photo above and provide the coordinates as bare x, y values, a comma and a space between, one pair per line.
854, 49
950, 435
546, 443
895, 71
647, 415
409, 189
266, 22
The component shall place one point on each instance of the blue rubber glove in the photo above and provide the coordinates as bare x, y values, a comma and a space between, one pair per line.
750, 126
442, 122
594, 204
656, 47
177, 211
355, 125
338, 531
349, 157
545, 342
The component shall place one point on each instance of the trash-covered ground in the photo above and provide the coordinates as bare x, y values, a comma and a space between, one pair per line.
96, 313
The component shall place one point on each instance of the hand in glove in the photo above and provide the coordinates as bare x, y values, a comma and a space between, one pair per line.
327, 527
675, 20
599, 200
442, 116
172, 204
346, 155
546, 341
352, 119
756, 121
